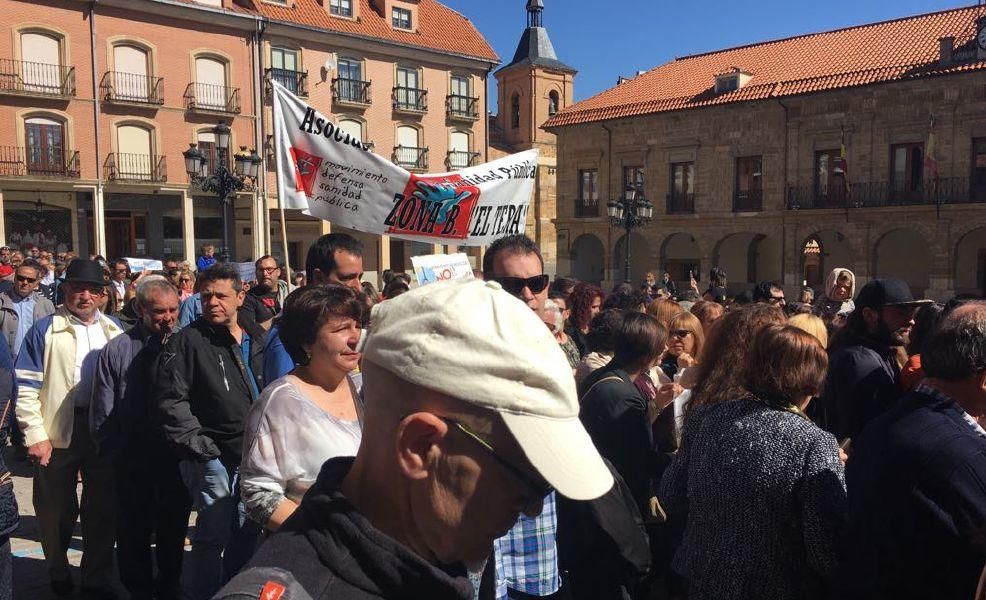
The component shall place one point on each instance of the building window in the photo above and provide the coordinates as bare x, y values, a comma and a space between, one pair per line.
284, 67
979, 170
210, 83
44, 146
131, 77
749, 183
830, 179
353, 128
906, 172
401, 18
633, 177
408, 153
42, 56
350, 87
460, 150
552, 103
682, 196
588, 202
515, 111
342, 8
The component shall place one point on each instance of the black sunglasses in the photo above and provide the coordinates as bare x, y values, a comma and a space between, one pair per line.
516, 285
23, 279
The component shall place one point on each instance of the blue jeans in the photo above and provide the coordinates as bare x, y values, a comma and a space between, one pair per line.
224, 539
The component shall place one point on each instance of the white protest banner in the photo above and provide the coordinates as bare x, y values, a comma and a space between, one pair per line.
440, 267
246, 270
334, 177
138, 265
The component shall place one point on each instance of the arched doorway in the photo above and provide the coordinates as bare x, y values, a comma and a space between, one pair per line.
970, 263
587, 259
640, 258
833, 251
681, 256
903, 254
748, 258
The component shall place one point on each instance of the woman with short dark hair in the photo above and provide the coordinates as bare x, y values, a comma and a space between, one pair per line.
761, 487
311, 414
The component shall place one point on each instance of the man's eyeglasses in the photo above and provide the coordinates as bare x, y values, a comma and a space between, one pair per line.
268, 269
541, 489
93, 290
22, 279
515, 285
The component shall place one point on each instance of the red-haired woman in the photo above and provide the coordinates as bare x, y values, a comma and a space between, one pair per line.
585, 302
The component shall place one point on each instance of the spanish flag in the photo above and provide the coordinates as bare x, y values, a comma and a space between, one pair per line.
931, 153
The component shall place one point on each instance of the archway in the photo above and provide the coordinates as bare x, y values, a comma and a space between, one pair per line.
748, 257
904, 254
681, 256
833, 251
587, 259
970, 263
640, 258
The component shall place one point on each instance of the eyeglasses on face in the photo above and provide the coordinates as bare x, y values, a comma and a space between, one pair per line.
515, 285
776, 299
268, 269
680, 333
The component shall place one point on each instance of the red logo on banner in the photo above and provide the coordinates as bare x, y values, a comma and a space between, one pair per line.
434, 206
305, 170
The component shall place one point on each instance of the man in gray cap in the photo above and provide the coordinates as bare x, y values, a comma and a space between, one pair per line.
863, 374
471, 418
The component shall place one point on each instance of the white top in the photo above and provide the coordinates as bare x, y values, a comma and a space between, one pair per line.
286, 439
89, 339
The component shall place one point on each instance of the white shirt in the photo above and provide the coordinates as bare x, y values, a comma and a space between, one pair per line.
286, 439
121, 289
89, 340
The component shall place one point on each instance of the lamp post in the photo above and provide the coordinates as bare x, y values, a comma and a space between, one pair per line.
629, 212
223, 182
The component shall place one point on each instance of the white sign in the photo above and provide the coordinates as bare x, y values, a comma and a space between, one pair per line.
246, 270
332, 176
440, 267
144, 264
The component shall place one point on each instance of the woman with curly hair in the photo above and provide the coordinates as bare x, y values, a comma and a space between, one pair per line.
585, 302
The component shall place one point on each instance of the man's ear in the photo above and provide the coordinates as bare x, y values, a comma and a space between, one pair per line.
419, 438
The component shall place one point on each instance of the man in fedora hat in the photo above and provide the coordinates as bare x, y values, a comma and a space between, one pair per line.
54, 370
863, 374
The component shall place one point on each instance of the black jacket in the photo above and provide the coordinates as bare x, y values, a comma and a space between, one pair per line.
917, 504
202, 392
9, 518
334, 553
862, 383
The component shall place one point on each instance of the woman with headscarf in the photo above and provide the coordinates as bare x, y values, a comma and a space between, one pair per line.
840, 287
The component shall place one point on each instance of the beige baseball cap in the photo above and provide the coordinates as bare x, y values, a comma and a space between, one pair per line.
473, 341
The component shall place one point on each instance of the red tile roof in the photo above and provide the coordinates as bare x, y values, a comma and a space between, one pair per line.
439, 27
880, 52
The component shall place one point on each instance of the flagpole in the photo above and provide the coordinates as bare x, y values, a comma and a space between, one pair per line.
278, 124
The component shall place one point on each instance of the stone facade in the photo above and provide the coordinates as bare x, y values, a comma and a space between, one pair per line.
936, 242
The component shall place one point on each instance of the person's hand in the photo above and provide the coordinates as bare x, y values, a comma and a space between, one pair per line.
693, 283
843, 457
666, 395
685, 360
40, 452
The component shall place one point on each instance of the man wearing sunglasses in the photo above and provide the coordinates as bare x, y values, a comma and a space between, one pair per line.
470, 418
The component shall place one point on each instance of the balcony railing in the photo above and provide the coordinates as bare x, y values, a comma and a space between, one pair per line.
874, 194
130, 88
681, 204
355, 92
212, 98
411, 158
587, 207
463, 108
295, 81
22, 162
121, 166
36, 79
748, 201
413, 100
460, 160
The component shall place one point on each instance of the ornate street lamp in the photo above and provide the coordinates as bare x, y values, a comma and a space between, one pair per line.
629, 212
223, 182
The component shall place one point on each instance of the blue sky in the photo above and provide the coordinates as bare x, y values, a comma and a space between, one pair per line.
630, 35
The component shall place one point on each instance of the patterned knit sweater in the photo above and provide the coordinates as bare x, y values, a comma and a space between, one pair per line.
765, 499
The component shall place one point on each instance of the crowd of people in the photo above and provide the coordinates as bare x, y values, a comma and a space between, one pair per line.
508, 436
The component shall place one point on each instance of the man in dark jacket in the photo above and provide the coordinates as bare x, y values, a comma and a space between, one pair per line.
863, 374
917, 477
152, 501
207, 377
459, 436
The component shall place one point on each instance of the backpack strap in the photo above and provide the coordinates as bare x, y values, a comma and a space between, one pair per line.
610, 378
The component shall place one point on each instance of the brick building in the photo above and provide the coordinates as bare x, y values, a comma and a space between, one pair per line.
862, 148
102, 98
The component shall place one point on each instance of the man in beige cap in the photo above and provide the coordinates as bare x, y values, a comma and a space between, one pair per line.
470, 419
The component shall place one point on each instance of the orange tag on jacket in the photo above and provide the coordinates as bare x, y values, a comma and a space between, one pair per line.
272, 591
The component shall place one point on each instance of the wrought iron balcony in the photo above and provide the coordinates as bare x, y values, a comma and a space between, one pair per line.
681, 204
410, 100
206, 97
411, 158
460, 160
295, 81
24, 162
586, 207
352, 92
130, 88
748, 201
874, 194
462, 108
36, 79
141, 168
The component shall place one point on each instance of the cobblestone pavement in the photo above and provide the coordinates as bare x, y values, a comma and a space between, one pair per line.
30, 574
